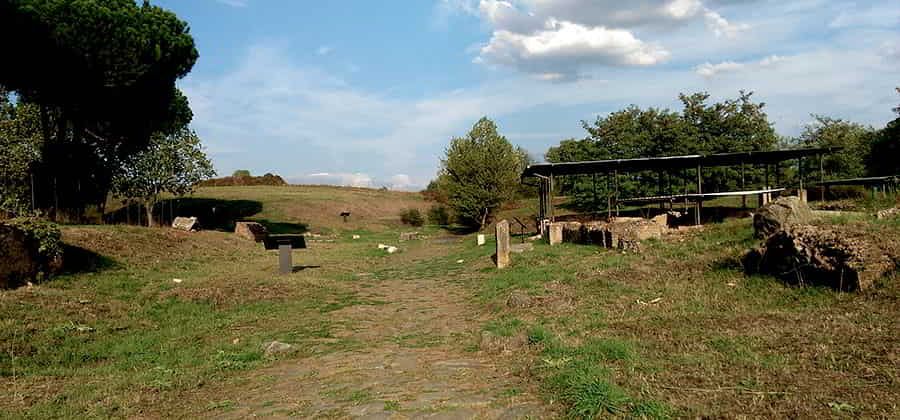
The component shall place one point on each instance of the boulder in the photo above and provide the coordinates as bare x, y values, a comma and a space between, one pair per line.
251, 230
520, 248
838, 257
780, 214
636, 229
555, 233
185, 223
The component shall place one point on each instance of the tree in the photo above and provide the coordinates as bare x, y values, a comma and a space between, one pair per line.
241, 173
482, 172
172, 164
856, 140
886, 148
102, 73
20, 142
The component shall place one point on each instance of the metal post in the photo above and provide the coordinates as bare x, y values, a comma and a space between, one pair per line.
699, 205
550, 204
608, 198
743, 187
822, 175
616, 181
285, 265
801, 192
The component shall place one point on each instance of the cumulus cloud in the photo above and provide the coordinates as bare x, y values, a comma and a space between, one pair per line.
567, 39
563, 47
327, 178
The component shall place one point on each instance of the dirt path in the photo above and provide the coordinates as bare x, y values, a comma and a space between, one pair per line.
414, 363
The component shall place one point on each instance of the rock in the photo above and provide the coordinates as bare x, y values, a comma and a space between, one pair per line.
661, 219
838, 257
519, 299
251, 230
356, 236
187, 224
409, 236
273, 348
520, 248
502, 232
573, 233
888, 213
479, 239
780, 214
392, 249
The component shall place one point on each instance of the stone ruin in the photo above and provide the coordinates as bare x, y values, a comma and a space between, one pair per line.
251, 230
844, 257
621, 233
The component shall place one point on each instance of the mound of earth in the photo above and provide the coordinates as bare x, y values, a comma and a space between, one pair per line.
780, 214
841, 257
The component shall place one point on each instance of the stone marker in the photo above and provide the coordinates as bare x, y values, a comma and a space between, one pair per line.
251, 230
556, 233
480, 239
502, 244
185, 223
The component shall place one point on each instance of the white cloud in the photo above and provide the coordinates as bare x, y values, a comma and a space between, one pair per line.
234, 3
569, 39
722, 27
324, 50
709, 70
563, 47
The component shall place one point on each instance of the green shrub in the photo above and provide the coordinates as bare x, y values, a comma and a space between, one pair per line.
45, 234
412, 217
439, 215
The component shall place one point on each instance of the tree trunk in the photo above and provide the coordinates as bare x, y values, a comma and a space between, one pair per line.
149, 206
483, 219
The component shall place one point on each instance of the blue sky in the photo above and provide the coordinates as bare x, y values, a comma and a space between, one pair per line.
369, 93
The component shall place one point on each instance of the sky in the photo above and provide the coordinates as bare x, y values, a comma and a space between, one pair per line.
369, 93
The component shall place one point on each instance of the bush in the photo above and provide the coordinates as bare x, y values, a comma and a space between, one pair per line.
32, 250
439, 215
412, 217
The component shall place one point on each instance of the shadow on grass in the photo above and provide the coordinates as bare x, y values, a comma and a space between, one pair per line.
298, 268
80, 260
281, 228
215, 214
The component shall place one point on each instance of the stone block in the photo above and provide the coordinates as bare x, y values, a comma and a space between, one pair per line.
555, 233
185, 223
251, 230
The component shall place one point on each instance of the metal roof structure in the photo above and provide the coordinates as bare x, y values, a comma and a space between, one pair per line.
672, 162
872, 180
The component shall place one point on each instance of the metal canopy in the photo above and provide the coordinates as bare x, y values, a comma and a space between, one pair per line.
863, 181
671, 162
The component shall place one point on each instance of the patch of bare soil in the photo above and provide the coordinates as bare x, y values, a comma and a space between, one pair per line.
413, 357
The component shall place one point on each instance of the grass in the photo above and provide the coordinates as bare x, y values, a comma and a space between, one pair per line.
677, 331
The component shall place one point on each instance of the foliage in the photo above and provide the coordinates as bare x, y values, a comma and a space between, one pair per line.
241, 173
437, 190
228, 181
45, 234
885, 149
102, 74
481, 173
728, 126
20, 143
412, 217
439, 215
171, 164
856, 140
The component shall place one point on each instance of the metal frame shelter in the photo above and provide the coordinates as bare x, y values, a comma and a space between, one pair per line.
882, 184
547, 172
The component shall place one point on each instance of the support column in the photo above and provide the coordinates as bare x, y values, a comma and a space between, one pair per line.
802, 191
822, 175
743, 188
502, 232
699, 206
